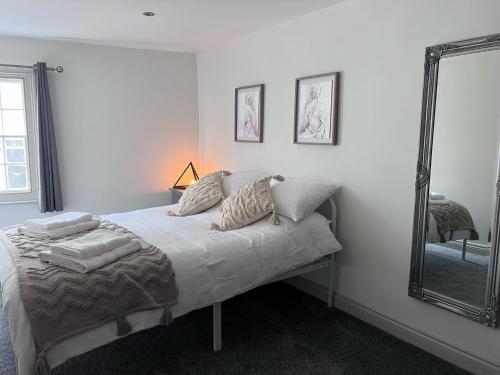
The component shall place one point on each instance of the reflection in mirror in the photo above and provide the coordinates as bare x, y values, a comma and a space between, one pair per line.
463, 179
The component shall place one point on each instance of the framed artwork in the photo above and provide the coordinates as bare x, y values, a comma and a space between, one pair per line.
248, 113
316, 109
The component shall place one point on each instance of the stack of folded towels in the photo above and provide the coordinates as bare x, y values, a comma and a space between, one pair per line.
58, 226
90, 252
86, 253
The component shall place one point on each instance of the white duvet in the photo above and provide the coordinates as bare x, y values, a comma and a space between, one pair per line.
210, 266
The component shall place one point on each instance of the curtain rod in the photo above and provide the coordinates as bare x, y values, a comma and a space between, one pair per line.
58, 69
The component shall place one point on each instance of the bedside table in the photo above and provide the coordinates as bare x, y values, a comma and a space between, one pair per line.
176, 195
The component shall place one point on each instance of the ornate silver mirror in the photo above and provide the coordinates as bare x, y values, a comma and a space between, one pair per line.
456, 228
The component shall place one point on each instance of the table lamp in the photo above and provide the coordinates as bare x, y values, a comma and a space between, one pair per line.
187, 177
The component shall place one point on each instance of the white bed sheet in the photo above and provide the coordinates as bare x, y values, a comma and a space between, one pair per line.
210, 266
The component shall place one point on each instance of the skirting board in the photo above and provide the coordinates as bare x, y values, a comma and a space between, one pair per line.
459, 357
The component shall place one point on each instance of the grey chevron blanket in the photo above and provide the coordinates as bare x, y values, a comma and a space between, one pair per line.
451, 217
61, 303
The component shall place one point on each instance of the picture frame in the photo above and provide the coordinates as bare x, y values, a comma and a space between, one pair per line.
316, 109
248, 113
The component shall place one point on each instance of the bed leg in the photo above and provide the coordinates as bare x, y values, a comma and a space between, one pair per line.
330, 280
217, 326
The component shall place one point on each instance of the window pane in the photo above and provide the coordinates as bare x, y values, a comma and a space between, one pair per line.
15, 155
14, 143
3, 181
11, 94
2, 158
17, 177
15, 150
13, 122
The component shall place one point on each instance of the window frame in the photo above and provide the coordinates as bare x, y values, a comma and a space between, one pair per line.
31, 144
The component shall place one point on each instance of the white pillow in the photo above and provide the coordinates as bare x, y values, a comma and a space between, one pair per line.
297, 198
234, 182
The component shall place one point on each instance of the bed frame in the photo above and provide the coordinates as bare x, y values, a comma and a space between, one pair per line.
329, 210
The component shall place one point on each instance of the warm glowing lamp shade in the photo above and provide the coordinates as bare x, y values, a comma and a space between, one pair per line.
187, 177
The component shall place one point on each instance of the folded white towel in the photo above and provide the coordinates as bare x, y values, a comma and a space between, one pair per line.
437, 196
90, 264
90, 245
58, 221
61, 232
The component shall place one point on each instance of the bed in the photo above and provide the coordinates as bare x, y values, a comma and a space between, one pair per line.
210, 267
450, 221
433, 235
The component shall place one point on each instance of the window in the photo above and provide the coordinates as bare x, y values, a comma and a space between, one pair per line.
18, 177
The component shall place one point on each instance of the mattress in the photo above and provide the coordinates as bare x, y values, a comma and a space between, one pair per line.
210, 266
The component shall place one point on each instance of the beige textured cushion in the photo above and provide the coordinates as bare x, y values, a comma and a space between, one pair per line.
207, 192
251, 203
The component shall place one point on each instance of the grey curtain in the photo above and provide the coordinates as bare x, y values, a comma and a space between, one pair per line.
50, 185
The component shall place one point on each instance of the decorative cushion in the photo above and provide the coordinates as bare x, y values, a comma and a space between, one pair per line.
251, 203
297, 198
231, 184
207, 192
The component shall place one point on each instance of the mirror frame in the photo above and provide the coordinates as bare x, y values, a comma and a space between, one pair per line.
488, 314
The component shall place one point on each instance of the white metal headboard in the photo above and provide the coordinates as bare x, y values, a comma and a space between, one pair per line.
329, 210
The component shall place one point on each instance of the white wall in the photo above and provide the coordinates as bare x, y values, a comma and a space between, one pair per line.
465, 151
126, 123
378, 46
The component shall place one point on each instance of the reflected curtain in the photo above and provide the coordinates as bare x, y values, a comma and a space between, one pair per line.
50, 185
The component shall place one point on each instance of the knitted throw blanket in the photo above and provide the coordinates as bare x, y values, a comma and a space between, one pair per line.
451, 217
61, 303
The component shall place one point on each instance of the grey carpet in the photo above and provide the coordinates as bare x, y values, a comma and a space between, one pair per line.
474, 254
455, 278
271, 330
7, 361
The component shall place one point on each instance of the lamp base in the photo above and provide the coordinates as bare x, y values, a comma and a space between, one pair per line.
180, 187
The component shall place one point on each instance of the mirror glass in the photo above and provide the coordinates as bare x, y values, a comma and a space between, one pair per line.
463, 177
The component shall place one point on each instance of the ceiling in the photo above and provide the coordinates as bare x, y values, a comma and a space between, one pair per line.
181, 25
